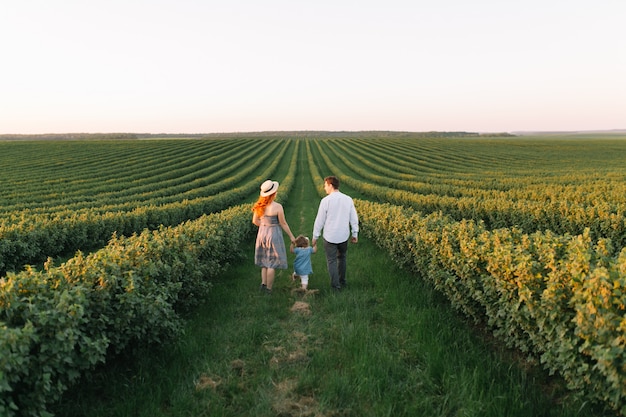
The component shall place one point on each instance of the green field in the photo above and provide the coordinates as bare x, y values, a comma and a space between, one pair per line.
505, 297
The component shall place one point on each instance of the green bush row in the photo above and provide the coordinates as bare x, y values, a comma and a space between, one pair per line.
115, 177
42, 236
529, 209
559, 298
62, 321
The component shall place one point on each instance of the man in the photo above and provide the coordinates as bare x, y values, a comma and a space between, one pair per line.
337, 217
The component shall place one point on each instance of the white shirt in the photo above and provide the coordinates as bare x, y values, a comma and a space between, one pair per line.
336, 215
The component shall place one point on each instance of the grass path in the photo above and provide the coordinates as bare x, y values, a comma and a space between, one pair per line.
387, 346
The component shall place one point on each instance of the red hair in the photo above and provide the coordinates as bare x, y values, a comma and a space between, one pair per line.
262, 203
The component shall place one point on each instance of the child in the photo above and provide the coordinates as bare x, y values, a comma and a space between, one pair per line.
302, 263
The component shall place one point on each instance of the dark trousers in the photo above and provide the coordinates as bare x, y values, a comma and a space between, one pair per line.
336, 262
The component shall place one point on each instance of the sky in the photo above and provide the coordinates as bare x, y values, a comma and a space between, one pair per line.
205, 66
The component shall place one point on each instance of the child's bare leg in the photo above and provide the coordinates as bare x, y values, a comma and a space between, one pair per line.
304, 280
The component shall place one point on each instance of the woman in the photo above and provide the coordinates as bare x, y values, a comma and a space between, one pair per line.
269, 252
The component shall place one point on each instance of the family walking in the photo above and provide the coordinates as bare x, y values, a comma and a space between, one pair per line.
336, 222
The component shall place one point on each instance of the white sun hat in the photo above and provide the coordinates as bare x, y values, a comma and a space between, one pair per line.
269, 187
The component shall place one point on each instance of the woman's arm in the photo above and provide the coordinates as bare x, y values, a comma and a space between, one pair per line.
283, 222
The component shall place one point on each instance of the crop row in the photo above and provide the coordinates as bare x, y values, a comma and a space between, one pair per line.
561, 299
58, 323
170, 175
528, 176
529, 202
559, 296
36, 237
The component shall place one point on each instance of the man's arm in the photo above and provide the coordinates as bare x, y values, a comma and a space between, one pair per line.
354, 224
320, 219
